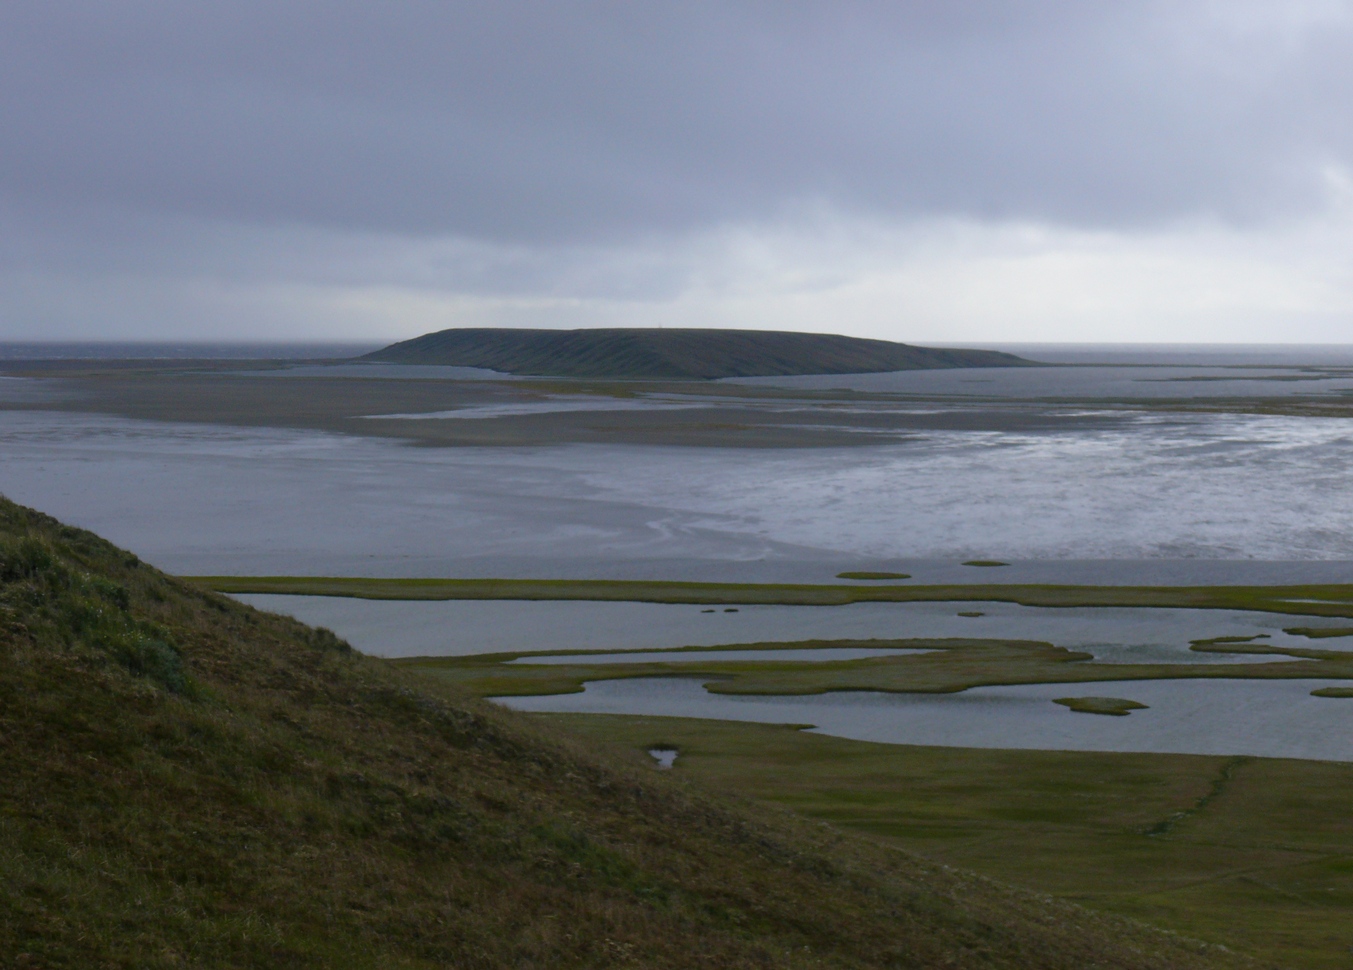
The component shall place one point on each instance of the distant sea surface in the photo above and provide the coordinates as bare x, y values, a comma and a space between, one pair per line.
1197, 355
1330, 355
38, 350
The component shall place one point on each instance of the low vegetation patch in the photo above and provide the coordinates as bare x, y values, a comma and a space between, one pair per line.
864, 574
946, 666
1112, 706
1319, 632
1333, 692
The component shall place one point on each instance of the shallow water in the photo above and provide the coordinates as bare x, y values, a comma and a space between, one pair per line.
1155, 500
551, 404
665, 757
413, 628
1221, 717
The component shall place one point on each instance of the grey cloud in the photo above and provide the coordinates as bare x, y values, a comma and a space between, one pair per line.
575, 123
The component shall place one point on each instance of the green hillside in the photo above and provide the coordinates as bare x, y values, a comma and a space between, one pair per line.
675, 354
188, 782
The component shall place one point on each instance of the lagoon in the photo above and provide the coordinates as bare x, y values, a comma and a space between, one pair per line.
1277, 719
444, 628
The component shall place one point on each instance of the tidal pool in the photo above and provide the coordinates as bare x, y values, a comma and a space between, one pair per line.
1268, 718
445, 628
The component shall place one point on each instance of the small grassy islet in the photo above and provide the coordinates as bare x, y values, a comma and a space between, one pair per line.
865, 574
1112, 706
1319, 632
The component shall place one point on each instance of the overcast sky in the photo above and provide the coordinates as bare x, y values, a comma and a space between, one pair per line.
919, 171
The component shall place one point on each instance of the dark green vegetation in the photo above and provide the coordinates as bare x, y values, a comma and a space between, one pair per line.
985, 562
1112, 706
189, 782
872, 575
1210, 643
950, 665
1325, 600
1318, 632
645, 353
1333, 692
1255, 853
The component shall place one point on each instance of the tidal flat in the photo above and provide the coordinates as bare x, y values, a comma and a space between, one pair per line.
1115, 463
1154, 502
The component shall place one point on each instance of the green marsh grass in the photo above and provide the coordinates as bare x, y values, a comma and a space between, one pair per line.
1255, 853
950, 665
1332, 600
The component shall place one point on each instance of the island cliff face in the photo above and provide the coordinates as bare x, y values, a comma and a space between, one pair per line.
688, 354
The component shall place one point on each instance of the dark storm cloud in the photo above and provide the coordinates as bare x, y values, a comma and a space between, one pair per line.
530, 123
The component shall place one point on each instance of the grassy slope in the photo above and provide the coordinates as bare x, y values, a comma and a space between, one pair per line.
674, 354
1253, 852
190, 782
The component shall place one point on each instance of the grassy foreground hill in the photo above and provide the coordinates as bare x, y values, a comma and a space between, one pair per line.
185, 781
692, 354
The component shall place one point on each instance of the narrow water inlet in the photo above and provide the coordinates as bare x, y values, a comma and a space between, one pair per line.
665, 757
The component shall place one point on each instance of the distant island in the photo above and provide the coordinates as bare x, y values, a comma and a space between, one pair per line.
685, 354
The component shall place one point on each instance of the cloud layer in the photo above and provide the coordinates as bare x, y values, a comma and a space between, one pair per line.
922, 171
